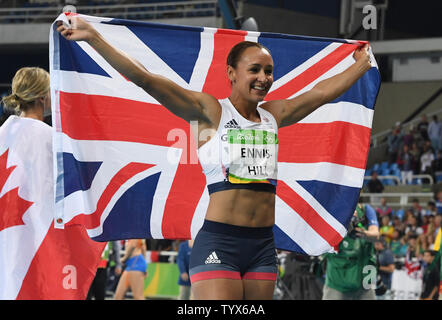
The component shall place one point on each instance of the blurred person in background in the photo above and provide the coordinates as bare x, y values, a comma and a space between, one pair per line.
415, 157
427, 158
384, 210
437, 224
109, 258
408, 138
426, 223
394, 140
375, 185
439, 202
412, 262
431, 277
412, 226
345, 270
386, 229
417, 210
183, 260
398, 244
386, 266
435, 132
135, 270
422, 127
405, 162
398, 224
422, 245
431, 209
437, 162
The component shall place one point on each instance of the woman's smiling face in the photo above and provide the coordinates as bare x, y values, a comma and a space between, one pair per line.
253, 75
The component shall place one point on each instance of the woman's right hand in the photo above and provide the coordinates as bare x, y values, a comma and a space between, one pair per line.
80, 30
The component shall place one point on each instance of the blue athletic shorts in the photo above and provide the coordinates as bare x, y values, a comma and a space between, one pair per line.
136, 263
224, 251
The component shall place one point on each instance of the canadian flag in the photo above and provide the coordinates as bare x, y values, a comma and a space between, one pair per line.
37, 261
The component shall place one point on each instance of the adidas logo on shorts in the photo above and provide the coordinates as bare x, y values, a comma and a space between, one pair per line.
213, 258
232, 124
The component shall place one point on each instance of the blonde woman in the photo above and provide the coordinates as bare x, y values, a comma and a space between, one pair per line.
135, 272
30, 97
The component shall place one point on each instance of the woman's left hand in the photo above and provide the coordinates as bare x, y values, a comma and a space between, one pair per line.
362, 55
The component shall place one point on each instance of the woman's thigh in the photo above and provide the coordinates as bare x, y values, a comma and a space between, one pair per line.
218, 289
258, 289
136, 282
121, 287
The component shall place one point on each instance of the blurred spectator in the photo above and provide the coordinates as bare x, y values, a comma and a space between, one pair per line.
408, 212
398, 225
433, 226
427, 158
110, 258
422, 127
398, 244
375, 185
160, 245
422, 244
386, 266
435, 132
412, 263
408, 138
417, 210
431, 209
405, 162
115, 265
165, 245
394, 140
412, 226
415, 157
439, 202
437, 162
183, 260
426, 223
430, 241
384, 210
412, 245
436, 223
386, 229
431, 277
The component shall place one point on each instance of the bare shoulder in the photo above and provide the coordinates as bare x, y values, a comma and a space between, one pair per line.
131, 243
276, 108
291, 111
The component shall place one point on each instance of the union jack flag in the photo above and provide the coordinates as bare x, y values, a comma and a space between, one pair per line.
113, 141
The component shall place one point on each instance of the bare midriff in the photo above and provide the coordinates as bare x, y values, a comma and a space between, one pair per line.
242, 207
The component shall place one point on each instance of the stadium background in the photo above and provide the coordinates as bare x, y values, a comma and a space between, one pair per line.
407, 45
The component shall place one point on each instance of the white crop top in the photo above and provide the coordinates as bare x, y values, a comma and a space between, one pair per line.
242, 154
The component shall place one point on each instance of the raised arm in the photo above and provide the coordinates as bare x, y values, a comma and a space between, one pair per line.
186, 104
290, 111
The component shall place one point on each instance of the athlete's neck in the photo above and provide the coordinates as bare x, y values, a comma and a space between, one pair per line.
34, 113
248, 109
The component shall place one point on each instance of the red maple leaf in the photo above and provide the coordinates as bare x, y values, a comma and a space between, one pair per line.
12, 207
